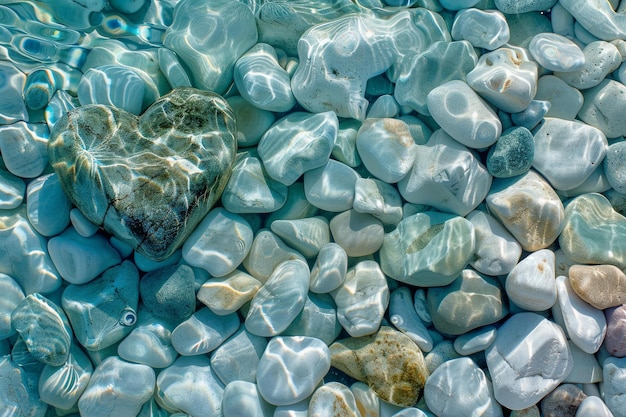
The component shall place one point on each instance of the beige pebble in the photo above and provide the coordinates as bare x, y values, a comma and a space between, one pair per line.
227, 294
602, 286
359, 234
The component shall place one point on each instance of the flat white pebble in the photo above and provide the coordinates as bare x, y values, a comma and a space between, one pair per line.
243, 395
531, 284
83, 226
593, 407
291, 368
475, 341
203, 332
238, 357
359, 234
556, 53
308, 235
331, 187
329, 270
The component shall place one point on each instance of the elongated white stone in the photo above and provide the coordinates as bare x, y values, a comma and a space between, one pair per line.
556, 53
237, 358
203, 332
331, 187
308, 236
403, 316
329, 270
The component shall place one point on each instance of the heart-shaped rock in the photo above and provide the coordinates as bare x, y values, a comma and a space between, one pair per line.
147, 180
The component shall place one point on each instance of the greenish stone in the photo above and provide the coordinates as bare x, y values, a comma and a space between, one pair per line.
512, 154
169, 292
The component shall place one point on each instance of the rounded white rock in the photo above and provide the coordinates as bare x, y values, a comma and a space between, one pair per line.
531, 284
329, 270
331, 187
203, 332
359, 234
243, 395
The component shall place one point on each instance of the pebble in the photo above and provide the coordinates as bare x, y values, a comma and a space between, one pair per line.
532, 115
493, 32
359, 234
226, 295
117, 387
220, 242
463, 115
601, 58
557, 53
190, 386
475, 341
308, 235
496, 251
111, 311
243, 395
531, 284
362, 299
592, 232
614, 371
296, 206
523, 6
593, 407
447, 176
403, 316
147, 238
558, 140
24, 148
460, 378
279, 300
385, 106
378, 198
124, 88
262, 81
238, 357
203, 332
469, 302
169, 292
602, 286
298, 143
12, 107
522, 377
45, 329
330, 268
12, 190
12, 297
563, 401
333, 399
84, 227
613, 166
331, 187
291, 368
267, 252
252, 122
565, 101
528, 208
615, 326
318, 318
300, 409
512, 154
599, 18
586, 369
345, 145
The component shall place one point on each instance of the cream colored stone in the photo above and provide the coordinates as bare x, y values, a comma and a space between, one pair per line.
602, 286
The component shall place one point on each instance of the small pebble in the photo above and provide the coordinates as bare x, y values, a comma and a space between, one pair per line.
531, 284
308, 235
614, 341
563, 401
238, 357
267, 252
42, 193
333, 396
318, 318
252, 122
12, 297
601, 58
403, 316
12, 190
613, 166
243, 395
83, 226
614, 371
331, 187
593, 407
203, 332
532, 115
602, 286
359, 234
556, 53
565, 101
493, 32
124, 88
475, 340
329, 271
378, 198
225, 295
169, 292
512, 154
366, 399
24, 148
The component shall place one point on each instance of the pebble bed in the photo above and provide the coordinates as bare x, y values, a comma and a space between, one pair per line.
221, 208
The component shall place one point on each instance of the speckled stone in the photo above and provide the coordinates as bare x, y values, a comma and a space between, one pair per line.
333, 399
169, 292
389, 362
601, 58
563, 401
614, 341
149, 180
614, 166
512, 154
602, 286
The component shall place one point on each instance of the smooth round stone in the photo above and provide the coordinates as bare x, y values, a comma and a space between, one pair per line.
203, 332
419, 303
169, 292
84, 227
267, 252
496, 251
529, 209
345, 145
493, 32
362, 299
12, 190
597, 182
506, 78
149, 343
564, 400
403, 316
62, 386
190, 386
385, 106
556, 140
225, 295
389, 362
318, 318
308, 236
172, 69
117, 387
298, 143
45, 329
586, 369
428, 249
333, 396
532, 115
556, 53
585, 324
238, 357
291, 368
262, 81
112, 85
12, 296
593, 231
243, 395
458, 386
441, 353
252, 122
24, 148
331, 187
220, 242
366, 399
79, 259
565, 101
110, 313
381, 200
512, 154
602, 286
359, 234
614, 166
464, 115
593, 407
208, 45
329, 271
279, 300
296, 206
614, 341
386, 148
24, 254
531, 284
475, 341
614, 387
523, 6
441, 62
300, 409
12, 107
251, 190
447, 176
523, 376
601, 58
469, 302
598, 18
179, 177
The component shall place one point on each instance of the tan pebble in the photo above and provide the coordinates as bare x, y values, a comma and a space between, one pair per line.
333, 400
227, 294
389, 362
366, 400
532, 411
602, 286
